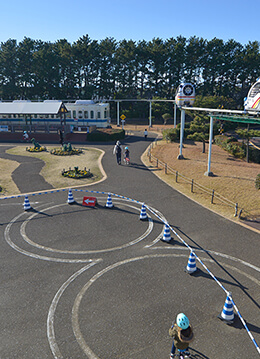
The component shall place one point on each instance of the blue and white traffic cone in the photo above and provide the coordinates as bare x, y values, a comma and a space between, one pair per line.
191, 266
143, 214
227, 314
70, 197
109, 203
166, 234
26, 205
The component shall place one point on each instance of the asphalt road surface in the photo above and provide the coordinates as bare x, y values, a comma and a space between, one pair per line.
98, 283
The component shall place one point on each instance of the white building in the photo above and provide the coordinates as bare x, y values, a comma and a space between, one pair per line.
89, 113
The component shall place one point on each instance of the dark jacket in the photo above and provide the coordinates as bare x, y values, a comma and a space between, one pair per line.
181, 337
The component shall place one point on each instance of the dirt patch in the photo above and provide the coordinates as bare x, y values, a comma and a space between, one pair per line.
6, 169
233, 180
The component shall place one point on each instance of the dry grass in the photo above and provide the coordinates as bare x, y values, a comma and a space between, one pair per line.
6, 169
233, 178
90, 158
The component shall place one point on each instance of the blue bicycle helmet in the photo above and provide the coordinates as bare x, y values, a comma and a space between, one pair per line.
182, 321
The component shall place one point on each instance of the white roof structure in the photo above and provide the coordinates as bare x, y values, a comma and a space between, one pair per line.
30, 108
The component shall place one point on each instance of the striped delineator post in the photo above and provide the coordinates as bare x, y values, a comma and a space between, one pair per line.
227, 314
191, 266
109, 203
70, 197
143, 214
166, 234
26, 205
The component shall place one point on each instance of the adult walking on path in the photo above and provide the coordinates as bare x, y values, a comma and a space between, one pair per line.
118, 152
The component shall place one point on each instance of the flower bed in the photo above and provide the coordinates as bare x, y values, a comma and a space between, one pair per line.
33, 149
76, 173
66, 150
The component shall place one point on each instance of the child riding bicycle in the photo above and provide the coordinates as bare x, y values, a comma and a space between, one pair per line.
182, 334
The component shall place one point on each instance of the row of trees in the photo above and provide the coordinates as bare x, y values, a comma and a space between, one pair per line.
89, 68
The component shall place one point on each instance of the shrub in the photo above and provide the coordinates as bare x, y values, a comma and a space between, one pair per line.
236, 149
171, 134
257, 181
221, 141
254, 155
231, 145
106, 134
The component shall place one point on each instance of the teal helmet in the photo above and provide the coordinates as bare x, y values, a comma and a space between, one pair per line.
126, 148
182, 321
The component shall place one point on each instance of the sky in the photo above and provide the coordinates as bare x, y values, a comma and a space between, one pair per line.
130, 19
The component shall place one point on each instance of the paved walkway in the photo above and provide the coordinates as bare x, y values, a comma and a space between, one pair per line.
99, 283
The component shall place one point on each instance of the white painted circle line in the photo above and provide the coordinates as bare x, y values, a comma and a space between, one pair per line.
51, 314
33, 255
75, 309
247, 264
32, 243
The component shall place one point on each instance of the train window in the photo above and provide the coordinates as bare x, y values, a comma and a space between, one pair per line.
14, 116
255, 90
98, 114
9, 116
52, 116
80, 114
85, 114
35, 116
74, 114
91, 114
68, 114
105, 114
47, 116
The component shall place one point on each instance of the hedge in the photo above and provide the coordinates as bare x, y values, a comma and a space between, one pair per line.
106, 134
237, 149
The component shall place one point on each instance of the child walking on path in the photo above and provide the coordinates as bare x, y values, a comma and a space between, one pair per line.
127, 156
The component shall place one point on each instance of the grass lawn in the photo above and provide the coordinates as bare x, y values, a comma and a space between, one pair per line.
90, 158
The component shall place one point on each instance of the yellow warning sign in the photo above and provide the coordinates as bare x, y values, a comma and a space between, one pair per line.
122, 117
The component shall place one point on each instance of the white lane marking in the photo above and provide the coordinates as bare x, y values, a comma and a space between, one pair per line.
213, 252
138, 239
32, 255
50, 319
75, 309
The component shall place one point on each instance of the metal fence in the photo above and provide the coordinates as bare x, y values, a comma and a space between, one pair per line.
194, 186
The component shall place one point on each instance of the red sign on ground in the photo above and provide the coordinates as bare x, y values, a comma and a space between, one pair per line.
89, 201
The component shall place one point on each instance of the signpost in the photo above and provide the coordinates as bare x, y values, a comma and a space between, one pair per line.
123, 120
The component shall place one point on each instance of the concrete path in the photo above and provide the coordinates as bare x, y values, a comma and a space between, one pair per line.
27, 176
99, 283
